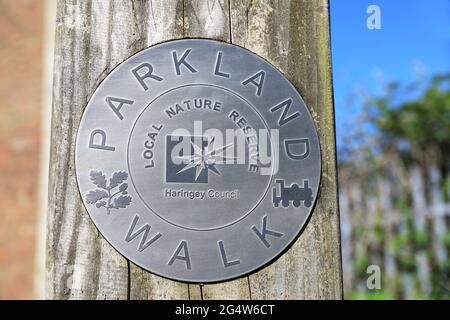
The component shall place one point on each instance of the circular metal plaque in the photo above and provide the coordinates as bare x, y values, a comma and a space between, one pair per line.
198, 160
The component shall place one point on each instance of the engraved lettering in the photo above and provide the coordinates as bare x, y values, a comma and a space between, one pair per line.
193, 104
116, 108
234, 115
217, 106
264, 231
102, 145
217, 71
170, 112
150, 144
290, 142
208, 104
141, 76
143, 244
284, 118
182, 61
253, 80
185, 257
225, 261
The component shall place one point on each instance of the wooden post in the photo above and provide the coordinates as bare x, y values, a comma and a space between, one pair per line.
92, 37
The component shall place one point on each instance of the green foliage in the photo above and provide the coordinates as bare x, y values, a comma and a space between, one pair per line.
446, 240
379, 232
421, 296
407, 127
420, 121
403, 254
446, 189
420, 239
372, 295
361, 264
418, 129
405, 261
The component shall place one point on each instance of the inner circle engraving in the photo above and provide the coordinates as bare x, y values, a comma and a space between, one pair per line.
180, 197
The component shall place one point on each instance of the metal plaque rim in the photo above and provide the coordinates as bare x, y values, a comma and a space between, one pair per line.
268, 261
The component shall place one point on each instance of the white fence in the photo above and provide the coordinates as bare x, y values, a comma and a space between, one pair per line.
399, 222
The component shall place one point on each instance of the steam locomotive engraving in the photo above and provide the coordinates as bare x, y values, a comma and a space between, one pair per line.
293, 194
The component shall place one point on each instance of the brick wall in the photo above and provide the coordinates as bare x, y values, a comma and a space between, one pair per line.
21, 28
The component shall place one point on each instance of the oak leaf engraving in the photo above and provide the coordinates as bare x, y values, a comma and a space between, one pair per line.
117, 178
95, 195
112, 196
98, 178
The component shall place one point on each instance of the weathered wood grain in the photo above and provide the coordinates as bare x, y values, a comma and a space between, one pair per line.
80, 265
294, 36
92, 38
163, 21
210, 19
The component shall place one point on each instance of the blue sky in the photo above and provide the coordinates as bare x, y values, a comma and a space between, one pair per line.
414, 40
